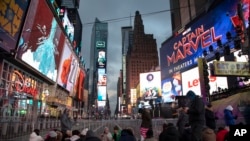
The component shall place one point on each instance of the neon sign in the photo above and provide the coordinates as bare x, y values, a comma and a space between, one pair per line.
23, 84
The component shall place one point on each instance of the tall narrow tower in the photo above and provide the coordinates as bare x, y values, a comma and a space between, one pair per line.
98, 55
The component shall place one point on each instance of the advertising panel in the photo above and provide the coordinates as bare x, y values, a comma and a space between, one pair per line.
101, 60
101, 105
41, 40
171, 88
225, 68
12, 14
191, 81
101, 93
102, 77
181, 52
133, 97
68, 68
150, 85
68, 26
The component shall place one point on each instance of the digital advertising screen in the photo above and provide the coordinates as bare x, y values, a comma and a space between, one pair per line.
171, 87
181, 52
79, 84
101, 93
191, 81
150, 85
68, 26
41, 40
102, 77
68, 68
101, 60
12, 15
101, 105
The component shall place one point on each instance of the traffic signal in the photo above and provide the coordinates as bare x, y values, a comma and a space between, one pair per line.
204, 77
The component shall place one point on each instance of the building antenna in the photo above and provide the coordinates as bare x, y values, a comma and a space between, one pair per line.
130, 20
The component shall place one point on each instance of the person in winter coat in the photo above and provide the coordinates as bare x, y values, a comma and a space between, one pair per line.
150, 135
106, 136
117, 133
228, 116
127, 135
182, 120
208, 134
196, 113
35, 136
210, 117
222, 133
66, 123
146, 122
187, 133
75, 135
169, 133
90, 136
246, 114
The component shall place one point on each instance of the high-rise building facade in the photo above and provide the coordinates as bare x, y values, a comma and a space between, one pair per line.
98, 53
184, 11
141, 57
127, 40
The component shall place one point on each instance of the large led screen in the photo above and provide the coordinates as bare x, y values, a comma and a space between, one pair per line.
68, 68
191, 81
12, 14
101, 93
181, 52
41, 40
101, 60
150, 86
102, 77
171, 88
78, 87
68, 26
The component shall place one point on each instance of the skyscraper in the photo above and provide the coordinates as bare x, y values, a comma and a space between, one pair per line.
98, 55
141, 57
184, 11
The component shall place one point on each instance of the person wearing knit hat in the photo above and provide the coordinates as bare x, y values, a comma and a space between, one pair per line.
228, 116
196, 114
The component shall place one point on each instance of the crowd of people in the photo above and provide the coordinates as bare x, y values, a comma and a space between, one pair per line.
196, 122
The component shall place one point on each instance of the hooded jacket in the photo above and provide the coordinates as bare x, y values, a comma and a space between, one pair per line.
208, 135
169, 134
35, 137
229, 117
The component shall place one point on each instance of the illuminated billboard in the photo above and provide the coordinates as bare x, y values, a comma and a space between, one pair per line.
79, 84
191, 81
68, 68
11, 18
181, 52
171, 88
41, 40
68, 26
101, 60
101, 93
102, 77
150, 85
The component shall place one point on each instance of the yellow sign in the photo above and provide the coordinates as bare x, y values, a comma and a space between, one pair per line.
225, 68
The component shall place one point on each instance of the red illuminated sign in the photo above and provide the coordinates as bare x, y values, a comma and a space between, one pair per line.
23, 84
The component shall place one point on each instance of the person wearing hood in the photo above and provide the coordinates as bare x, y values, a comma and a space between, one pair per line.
208, 134
210, 117
127, 135
196, 114
35, 136
75, 135
83, 135
91, 136
169, 133
228, 116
